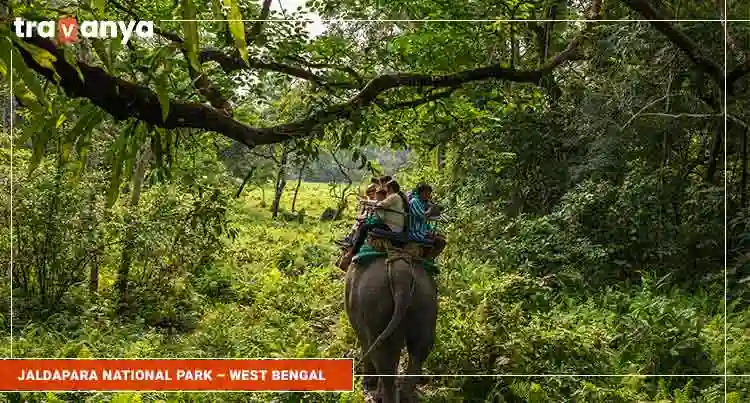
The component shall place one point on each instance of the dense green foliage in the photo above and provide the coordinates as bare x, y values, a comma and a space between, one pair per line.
586, 206
273, 292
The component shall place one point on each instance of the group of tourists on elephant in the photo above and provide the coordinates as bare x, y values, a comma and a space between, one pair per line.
392, 301
405, 219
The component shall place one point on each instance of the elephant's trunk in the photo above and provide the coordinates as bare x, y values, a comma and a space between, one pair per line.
401, 300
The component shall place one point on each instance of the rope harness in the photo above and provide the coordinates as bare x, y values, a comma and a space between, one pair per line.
394, 255
413, 252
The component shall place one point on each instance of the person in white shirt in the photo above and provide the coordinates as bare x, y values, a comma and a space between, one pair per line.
391, 212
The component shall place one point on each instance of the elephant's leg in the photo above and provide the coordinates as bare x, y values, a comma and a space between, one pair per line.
420, 339
369, 378
413, 370
385, 359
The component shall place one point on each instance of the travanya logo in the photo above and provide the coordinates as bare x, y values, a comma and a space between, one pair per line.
66, 29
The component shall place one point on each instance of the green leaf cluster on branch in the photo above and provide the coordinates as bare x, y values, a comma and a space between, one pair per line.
124, 99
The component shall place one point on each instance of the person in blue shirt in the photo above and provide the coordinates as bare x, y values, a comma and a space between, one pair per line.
419, 228
420, 208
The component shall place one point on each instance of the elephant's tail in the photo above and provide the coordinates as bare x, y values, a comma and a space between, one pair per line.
401, 302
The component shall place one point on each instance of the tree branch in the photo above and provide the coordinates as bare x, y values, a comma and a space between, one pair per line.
255, 31
313, 65
383, 83
232, 62
204, 86
678, 38
123, 99
737, 73
268, 157
416, 102
244, 181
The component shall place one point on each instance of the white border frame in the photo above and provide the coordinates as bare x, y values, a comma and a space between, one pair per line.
725, 22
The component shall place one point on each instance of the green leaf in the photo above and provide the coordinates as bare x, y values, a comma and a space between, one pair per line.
163, 94
98, 4
82, 134
40, 138
101, 50
160, 55
71, 59
237, 28
135, 143
82, 130
27, 98
84, 114
118, 154
60, 120
4, 54
190, 27
26, 76
218, 14
43, 57
114, 47
51, 398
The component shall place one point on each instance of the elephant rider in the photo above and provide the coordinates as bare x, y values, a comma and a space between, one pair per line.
372, 193
382, 181
391, 214
375, 192
420, 209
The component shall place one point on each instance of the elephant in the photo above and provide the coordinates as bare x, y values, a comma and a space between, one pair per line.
391, 303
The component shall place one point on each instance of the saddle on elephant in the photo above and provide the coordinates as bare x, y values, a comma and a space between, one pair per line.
381, 243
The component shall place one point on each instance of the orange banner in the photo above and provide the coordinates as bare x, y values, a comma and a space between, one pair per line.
293, 375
